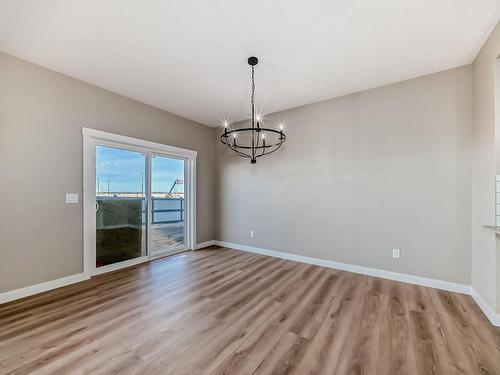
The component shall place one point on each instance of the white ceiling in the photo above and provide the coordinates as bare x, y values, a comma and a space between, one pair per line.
189, 57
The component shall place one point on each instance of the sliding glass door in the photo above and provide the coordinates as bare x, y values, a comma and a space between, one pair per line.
121, 230
139, 206
167, 204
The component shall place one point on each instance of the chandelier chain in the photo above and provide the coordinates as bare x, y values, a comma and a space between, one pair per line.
252, 99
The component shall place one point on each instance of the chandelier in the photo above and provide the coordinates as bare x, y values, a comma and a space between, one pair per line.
254, 141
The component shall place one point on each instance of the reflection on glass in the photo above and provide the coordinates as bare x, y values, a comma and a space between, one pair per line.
120, 196
168, 205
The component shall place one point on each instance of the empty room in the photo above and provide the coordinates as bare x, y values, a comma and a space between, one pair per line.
265, 187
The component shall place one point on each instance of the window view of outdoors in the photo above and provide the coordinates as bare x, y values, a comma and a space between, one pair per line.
121, 222
167, 208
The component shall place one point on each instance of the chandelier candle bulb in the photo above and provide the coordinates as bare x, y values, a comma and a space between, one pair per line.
250, 145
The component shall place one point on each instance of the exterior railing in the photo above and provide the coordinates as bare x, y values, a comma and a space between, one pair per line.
164, 210
167, 210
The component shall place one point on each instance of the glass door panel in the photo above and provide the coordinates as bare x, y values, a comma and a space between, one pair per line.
121, 205
167, 204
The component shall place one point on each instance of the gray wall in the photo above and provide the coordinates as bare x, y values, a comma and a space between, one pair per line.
363, 174
41, 116
485, 259
359, 175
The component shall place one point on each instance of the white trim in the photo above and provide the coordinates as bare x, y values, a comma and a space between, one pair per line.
42, 287
73, 279
119, 265
190, 220
412, 279
92, 138
141, 143
149, 203
201, 245
493, 317
88, 204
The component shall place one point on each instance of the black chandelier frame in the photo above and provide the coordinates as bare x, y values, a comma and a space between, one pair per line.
258, 146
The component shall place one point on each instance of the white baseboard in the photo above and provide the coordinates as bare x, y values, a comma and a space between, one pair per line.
438, 284
493, 317
412, 279
68, 280
201, 245
42, 287
432, 283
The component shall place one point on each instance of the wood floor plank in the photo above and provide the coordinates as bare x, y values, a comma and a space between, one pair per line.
221, 311
322, 355
360, 351
396, 352
256, 347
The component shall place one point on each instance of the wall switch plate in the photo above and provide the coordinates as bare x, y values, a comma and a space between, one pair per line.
71, 198
396, 253
252, 234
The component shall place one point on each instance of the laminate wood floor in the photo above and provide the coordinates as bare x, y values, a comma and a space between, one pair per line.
221, 311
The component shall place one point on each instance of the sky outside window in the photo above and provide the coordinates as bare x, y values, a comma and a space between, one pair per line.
125, 171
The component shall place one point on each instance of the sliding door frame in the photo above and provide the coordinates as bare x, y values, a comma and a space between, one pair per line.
93, 138
176, 249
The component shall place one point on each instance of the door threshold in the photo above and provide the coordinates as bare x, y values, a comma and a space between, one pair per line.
119, 266
167, 253
134, 262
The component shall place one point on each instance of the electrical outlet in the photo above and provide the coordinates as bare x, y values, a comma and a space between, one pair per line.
396, 253
252, 234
